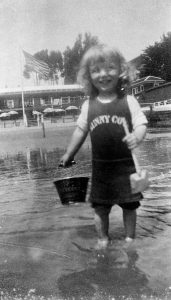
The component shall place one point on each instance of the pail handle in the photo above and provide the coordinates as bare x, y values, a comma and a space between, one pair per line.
137, 166
68, 165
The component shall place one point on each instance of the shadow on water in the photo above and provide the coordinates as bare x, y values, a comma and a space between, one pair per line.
46, 248
113, 274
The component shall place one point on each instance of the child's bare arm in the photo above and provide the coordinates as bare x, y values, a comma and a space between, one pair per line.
77, 140
136, 137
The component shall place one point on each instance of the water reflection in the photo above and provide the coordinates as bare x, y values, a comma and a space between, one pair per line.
113, 274
47, 247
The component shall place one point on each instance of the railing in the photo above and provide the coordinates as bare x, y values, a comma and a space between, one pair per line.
11, 123
32, 122
146, 104
61, 119
161, 103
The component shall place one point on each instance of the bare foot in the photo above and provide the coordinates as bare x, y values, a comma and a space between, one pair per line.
129, 239
129, 243
102, 244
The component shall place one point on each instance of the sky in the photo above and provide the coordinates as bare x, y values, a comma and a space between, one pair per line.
34, 25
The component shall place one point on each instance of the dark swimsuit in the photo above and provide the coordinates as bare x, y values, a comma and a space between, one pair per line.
112, 161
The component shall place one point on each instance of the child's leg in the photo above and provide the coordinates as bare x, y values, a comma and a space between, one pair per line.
129, 219
102, 224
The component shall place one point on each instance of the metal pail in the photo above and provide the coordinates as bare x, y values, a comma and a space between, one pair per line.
72, 189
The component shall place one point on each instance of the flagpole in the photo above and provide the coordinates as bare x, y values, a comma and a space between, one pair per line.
22, 89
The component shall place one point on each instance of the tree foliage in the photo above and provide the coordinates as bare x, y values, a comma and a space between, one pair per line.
67, 63
156, 59
72, 56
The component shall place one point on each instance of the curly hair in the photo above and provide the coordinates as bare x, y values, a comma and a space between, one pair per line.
127, 73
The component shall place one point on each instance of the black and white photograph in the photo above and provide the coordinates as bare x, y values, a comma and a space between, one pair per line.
85, 150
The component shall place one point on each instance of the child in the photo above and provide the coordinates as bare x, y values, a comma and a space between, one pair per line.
105, 75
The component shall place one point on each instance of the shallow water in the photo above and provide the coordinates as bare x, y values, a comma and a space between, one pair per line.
47, 249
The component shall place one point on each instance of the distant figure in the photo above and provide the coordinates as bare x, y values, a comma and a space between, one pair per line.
105, 76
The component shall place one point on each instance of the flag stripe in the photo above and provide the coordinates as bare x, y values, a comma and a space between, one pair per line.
37, 66
35, 62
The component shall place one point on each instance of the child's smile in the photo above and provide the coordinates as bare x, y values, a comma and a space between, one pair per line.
104, 76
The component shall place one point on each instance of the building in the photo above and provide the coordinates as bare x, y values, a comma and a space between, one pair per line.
149, 89
41, 97
143, 84
155, 94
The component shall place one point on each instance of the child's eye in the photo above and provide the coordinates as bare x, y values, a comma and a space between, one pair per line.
112, 67
94, 70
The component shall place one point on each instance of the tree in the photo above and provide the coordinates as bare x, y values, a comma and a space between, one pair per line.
156, 59
72, 56
65, 64
56, 65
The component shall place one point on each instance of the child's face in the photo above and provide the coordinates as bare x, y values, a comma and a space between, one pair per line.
104, 76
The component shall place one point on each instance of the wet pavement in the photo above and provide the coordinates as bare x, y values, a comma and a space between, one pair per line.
46, 249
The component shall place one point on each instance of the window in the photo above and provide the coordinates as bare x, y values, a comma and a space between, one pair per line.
135, 90
46, 101
141, 88
65, 100
10, 103
75, 100
156, 83
57, 101
28, 102
42, 101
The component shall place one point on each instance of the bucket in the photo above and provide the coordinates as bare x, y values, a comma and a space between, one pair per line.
72, 189
139, 181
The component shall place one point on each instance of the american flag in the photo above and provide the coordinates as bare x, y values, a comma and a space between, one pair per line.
36, 65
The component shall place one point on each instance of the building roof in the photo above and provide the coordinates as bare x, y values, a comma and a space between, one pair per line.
39, 89
148, 79
155, 88
158, 87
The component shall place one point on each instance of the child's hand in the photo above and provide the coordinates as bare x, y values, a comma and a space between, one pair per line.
131, 141
66, 161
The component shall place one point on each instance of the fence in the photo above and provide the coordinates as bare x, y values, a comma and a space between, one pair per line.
48, 121
11, 123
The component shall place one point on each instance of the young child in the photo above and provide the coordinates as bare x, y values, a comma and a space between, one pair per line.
105, 75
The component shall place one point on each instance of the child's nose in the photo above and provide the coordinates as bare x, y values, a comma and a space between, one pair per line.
103, 72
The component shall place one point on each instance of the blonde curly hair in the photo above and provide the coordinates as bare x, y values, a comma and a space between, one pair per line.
100, 53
